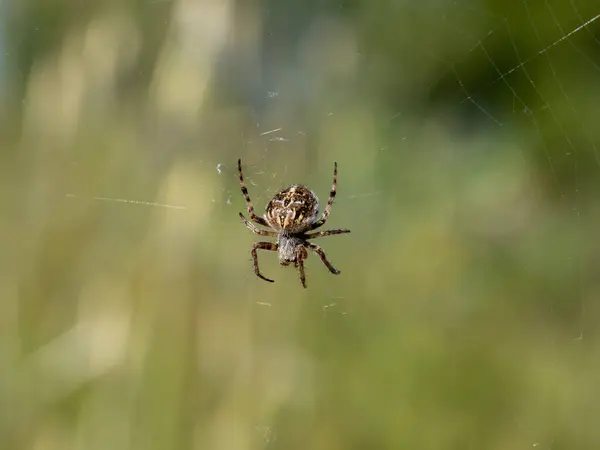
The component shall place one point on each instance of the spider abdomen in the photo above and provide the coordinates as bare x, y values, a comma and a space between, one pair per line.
293, 209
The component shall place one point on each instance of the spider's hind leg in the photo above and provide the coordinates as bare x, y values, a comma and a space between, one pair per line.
252, 228
327, 210
259, 220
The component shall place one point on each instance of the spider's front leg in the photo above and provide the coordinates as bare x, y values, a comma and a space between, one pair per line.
301, 255
263, 246
319, 251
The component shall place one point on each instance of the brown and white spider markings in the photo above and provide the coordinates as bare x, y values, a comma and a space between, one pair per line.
290, 215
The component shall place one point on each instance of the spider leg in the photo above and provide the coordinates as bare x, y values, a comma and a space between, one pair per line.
252, 228
259, 220
301, 255
327, 212
319, 251
263, 246
325, 233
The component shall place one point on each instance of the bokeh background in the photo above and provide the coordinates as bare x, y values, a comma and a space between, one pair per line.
466, 314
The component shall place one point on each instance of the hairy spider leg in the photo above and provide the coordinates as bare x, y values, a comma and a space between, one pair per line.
319, 251
259, 220
327, 212
301, 255
262, 246
324, 233
252, 228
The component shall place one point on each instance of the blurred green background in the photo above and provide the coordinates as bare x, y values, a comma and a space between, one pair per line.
466, 313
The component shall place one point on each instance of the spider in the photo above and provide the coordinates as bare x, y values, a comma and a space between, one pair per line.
290, 215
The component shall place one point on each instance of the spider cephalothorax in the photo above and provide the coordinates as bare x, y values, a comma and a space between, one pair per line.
289, 215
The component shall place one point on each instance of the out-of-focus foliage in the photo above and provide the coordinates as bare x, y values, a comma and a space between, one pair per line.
466, 312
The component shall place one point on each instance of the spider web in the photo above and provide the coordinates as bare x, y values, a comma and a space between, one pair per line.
529, 84
491, 86
549, 108
537, 86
